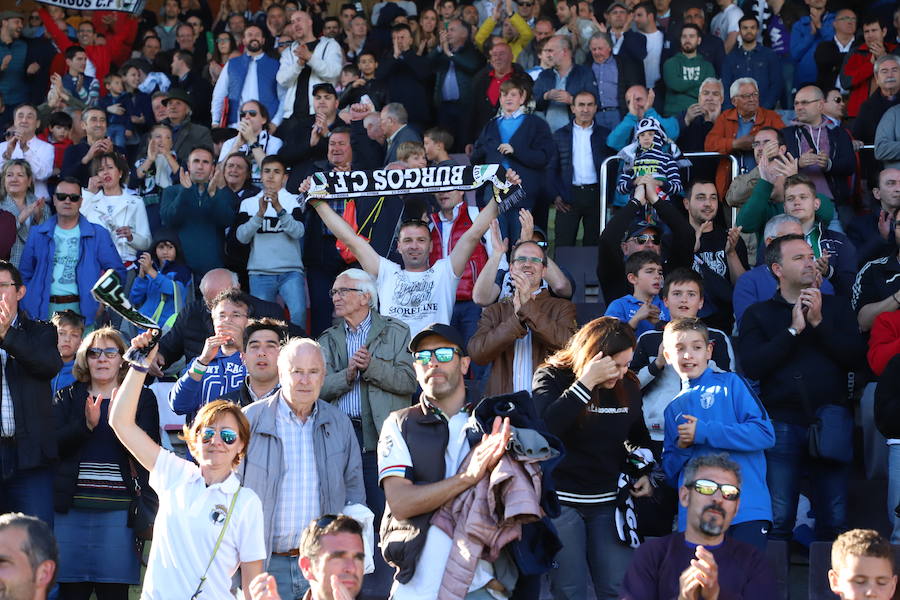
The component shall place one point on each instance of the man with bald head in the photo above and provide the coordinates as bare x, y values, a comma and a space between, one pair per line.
825, 155
486, 85
303, 460
307, 62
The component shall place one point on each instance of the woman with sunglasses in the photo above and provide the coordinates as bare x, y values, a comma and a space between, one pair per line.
17, 197
253, 139
592, 402
208, 525
96, 477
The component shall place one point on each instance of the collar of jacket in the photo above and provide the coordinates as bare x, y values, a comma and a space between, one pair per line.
433, 414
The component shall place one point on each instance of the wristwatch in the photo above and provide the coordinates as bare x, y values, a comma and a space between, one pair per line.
793, 331
281, 213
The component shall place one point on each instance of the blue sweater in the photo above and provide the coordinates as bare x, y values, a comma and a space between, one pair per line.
731, 419
224, 375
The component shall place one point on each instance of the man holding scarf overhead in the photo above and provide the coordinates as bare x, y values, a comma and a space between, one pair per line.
419, 293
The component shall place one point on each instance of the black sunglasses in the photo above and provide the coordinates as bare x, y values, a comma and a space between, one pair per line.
251, 113
110, 352
646, 237
67, 197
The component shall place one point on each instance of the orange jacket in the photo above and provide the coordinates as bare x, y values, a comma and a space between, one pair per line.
723, 133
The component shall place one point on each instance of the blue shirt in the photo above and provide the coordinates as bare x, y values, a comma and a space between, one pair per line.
627, 306
607, 76
508, 126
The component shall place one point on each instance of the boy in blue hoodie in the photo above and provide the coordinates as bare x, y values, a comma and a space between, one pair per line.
714, 412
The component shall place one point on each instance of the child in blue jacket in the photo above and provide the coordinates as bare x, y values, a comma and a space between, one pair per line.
714, 412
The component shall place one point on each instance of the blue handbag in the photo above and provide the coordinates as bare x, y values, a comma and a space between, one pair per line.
831, 434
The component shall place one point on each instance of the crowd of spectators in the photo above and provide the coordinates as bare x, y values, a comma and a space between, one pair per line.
424, 395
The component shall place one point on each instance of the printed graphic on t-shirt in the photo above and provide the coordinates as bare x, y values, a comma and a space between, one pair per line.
413, 298
65, 259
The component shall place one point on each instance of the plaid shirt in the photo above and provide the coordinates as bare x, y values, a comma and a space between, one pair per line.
298, 496
351, 402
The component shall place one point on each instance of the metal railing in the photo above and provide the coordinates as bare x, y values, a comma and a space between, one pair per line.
604, 176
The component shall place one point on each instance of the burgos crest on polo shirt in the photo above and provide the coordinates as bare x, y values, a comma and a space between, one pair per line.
707, 399
218, 514
385, 445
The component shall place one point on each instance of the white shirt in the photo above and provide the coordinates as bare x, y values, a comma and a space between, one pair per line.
393, 460
652, 60
726, 21
325, 63
191, 516
417, 298
40, 156
112, 212
583, 170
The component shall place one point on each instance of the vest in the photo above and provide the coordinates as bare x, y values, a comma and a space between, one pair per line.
266, 69
426, 435
476, 262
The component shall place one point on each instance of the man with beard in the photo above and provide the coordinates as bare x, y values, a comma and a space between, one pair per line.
752, 59
250, 76
701, 560
684, 72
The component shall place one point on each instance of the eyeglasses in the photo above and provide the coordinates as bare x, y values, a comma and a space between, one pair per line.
443, 355
5, 285
248, 113
708, 487
645, 238
342, 292
846, 19
806, 102
228, 436
221, 316
222, 40
753, 96
528, 259
67, 197
107, 352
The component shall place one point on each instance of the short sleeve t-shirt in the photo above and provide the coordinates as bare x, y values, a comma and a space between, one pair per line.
65, 259
191, 516
726, 21
417, 298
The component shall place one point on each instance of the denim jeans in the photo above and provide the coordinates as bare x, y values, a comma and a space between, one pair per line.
786, 463
466, 315
292, 288
286, 571
590, 547
29, 491
377, 583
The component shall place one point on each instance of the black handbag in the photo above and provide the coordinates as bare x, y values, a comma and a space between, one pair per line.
143, 507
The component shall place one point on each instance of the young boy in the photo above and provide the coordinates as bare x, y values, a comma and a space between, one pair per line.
115, 103
643, 308
682, 294
862, 566
81, 86
69, 331
437, 140
413, 154
647, 162
59, 128
716, 411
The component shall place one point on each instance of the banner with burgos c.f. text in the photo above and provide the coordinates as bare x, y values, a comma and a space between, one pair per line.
129, 6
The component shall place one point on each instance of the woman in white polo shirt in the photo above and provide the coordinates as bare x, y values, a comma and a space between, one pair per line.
207, 525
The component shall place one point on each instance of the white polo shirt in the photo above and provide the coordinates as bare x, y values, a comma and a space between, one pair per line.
188, 523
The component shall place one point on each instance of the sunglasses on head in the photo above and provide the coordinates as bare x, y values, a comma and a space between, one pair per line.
251, 113
443, 355
228, 436
67, 197
708, 487
646, 237
108, 352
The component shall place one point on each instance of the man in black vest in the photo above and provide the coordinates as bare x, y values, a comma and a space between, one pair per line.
419, 453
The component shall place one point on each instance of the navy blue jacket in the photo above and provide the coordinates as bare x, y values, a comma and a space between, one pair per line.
533, 150
561, 171
763, 65
634, 45
813, 364
406, 79
580, 79
843, 159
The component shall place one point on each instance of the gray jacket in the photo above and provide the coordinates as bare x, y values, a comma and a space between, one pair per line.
389, 382
338, 461
887, 138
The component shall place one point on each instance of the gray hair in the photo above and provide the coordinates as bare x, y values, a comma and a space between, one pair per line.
713, 80
602, 35
720, 460
397, 111
775, 223
294, 344
564, 41
885, 58
40, 545
737, 83
365, 282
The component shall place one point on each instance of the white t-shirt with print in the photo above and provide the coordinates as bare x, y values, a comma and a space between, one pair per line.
190, 518
726, 21
393, 461
417, 298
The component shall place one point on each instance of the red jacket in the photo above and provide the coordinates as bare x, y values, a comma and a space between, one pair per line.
59, 148
476, 262
859, 69
884, 340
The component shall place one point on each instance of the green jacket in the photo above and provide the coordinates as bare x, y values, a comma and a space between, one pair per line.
683, 77
754, 215
389, 382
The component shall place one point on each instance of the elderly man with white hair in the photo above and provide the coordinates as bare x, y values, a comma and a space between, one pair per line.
303, 460
369, 375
